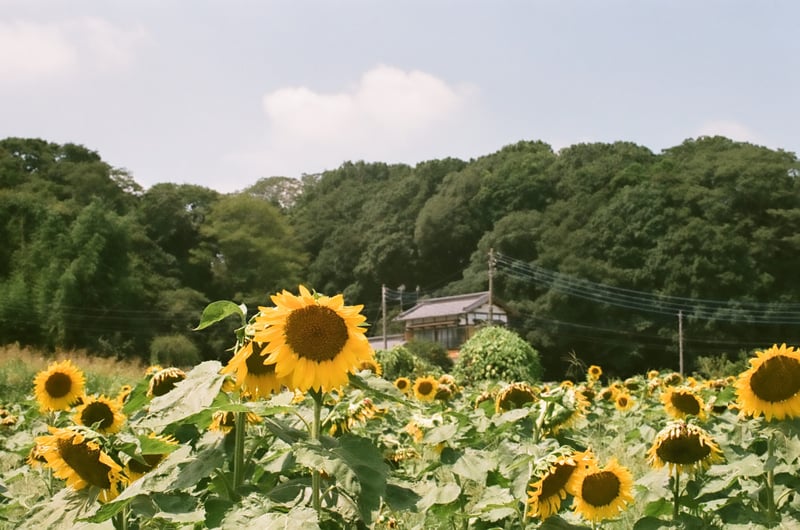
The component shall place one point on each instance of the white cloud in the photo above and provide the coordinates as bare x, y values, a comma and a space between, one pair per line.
389, 115
729, 129
33, 51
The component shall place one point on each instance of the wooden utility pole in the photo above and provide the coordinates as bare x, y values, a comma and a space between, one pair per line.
680, 341
383, 316
491, 281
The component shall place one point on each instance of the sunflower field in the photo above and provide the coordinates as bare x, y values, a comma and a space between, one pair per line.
301, 430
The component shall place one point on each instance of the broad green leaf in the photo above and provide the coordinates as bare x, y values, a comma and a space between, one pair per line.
496, 503
440, 434
434, 493
400, 497
651, 523
474, 465
220, 310
658, 507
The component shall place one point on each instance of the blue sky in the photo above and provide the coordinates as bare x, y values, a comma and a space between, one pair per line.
222, 93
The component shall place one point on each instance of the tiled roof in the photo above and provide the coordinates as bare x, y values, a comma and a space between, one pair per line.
445, 306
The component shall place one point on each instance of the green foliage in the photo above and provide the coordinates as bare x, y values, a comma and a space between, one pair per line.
431, 352
495, 353
720, 366
174, 350
401, 361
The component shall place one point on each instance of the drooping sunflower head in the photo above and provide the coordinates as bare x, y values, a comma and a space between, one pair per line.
425, 388
315, 341
225, 420
124, 393
371, 365
672, 379
601, 493
101, 413
564, 408
81, 462
623, 401
771, 386
594, 373
546, 493
683, 447
253, 377
165, 380
515, 396
683, 402
59, 386
403, 384
652, 374
154, 449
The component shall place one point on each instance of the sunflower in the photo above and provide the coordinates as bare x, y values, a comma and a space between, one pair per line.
165, 380
682, 402
546, 493
683, 446
672, 379
601, 493
372, 365
155, 448
514, 396
103, 412
653, 374
594, 372
623, 401
124, 393
225, 420
6, 418
58, 387
403, 384
80, 462
315, 341
259, 380
425, 388
771, 386
358, 412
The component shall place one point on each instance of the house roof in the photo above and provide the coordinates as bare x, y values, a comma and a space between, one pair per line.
445, 306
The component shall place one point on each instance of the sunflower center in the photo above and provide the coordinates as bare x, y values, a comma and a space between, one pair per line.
255, 361
516, 398
600, 488
85, 461
684, 449
425, 388
401, 384
777, 379
623, 401
58, 385
98, 412
555, 481
685, 402
316, 333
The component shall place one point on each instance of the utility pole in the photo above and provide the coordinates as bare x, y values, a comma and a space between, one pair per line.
383, 316
401, 289
491, 278
680, 341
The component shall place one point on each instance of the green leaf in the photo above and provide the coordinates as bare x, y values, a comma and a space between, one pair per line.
220, 310
659, 507
440, 434
649, 523
474, 465
399, 497
434, 493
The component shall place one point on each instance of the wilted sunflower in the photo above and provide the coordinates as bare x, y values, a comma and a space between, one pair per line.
623, 401
601, 493
514, 396
6, 418
425, 388
165, 380
594, 372
672, 379
653, 374
225, 420
58, 387
155, 448
102, 411
771, 386
315, 341
358, 412
259, 380
546, 493
683, 446
372, 365
80, 462
403, 384
124, 393
682, 402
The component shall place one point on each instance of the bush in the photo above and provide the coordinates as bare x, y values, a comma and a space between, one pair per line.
402, 362
497, 354
174, 350
431, 352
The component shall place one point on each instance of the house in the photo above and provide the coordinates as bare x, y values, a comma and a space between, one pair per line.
450, 320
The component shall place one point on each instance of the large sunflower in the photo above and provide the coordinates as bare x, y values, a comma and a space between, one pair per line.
771, 386
601, 493
315, 341
682, 402
80, 462
515, 396
58, 387
259, 380
425, 388
545, 495
103, 412
683, 446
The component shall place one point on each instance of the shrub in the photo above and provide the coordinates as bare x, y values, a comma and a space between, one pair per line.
497, 354
402, 362
432, 352
174, 350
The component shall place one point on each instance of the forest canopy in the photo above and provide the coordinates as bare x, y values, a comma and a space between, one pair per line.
597, 247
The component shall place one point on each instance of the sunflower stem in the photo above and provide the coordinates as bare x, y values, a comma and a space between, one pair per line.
315, 428
240, 425
770, 485
676, 494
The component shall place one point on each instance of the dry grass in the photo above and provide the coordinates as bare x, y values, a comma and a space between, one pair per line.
104, 375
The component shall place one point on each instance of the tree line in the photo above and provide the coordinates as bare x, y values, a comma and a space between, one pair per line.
92, 260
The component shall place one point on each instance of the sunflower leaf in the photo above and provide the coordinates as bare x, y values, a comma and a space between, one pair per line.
218, 311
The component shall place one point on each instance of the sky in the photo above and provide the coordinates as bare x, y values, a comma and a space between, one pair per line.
223, 93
